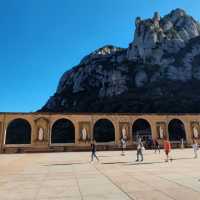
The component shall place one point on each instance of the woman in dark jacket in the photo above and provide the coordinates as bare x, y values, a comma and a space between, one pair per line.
93, 151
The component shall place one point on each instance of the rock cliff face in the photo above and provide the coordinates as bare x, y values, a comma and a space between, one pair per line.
158, 73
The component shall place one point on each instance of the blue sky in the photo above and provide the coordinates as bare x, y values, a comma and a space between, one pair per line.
41, 39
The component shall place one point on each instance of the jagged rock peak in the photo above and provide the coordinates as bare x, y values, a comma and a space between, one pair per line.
158, 72
178, 12
101, 52
156, 16
174, 13
107, 49
157, 36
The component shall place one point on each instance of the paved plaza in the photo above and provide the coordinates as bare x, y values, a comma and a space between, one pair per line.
71, 176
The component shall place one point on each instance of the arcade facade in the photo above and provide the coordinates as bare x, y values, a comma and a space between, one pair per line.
44, 132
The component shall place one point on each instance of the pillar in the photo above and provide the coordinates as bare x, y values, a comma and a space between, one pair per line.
49, 133
117, 132
51, 122
130, 132
188, 131
76, 126
154, 133
1, 136
33, 133
91, 130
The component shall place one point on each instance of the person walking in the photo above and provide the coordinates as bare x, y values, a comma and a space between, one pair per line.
123, 146
156, 146
140, 148
93, 151
167, 148
182, 143
195, 148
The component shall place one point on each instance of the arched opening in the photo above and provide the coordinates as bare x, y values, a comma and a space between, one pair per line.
176, 130
18, 132
104, 131
63, 131
142, 129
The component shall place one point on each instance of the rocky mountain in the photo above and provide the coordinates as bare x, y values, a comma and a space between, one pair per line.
158, 73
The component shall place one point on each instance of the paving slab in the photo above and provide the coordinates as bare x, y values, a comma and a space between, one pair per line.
70, 175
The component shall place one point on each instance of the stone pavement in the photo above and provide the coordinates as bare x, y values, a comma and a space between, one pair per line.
66, 175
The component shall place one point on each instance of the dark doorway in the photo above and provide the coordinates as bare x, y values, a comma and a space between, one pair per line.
104, 131
63, 131
176, 130
142, 129
18, 132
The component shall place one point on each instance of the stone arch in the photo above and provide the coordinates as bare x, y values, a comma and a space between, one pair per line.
104, 131
176, 130
18, 132
63, 131
142, 128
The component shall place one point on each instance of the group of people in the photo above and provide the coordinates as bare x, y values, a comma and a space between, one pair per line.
166, 146
141, 148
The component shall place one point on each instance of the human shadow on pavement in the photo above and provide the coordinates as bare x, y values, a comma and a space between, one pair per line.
121, 162
144, 163
190, 158
112, 163
157, 162
60, 164
103, 156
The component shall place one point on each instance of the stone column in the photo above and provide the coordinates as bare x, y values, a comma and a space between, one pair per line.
1, 136
41, 139
76, 126
125, 125
86, 127
131, 132
188, 131
153, 130
117, 132
167, 129
92, 122
33, 133
49, 133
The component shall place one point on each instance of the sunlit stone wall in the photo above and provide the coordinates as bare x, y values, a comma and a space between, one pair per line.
36, 132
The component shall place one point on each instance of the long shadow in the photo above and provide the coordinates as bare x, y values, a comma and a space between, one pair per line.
113, 163
129, 163
191, 158
157, 162
118, 162
103, 156
145, 163
61, 164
